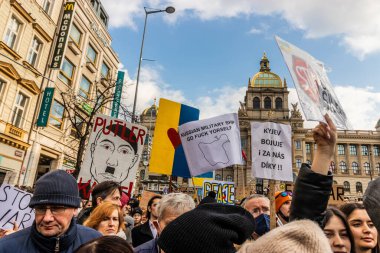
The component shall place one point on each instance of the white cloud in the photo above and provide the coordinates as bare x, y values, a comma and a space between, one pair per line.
355, 23
255, 31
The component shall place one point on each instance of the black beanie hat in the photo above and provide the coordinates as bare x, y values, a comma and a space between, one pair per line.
56, 188
208, 228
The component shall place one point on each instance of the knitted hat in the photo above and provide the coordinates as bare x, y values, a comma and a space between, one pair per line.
371, 201
56, 188
280, 199
207, 228
297, 236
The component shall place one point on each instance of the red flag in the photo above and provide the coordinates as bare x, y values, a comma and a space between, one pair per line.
244, 155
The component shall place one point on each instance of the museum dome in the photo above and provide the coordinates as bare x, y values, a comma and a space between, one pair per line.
265, 78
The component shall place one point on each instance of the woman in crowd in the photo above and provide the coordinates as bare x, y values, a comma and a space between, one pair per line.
106, 218
106, 244
283, 201
362, 228
137, 216
337, 231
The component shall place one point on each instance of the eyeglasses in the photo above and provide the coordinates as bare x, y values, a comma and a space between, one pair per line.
284, 194
55, 210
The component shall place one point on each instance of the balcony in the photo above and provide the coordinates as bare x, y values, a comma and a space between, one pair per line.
91, 67
14, 132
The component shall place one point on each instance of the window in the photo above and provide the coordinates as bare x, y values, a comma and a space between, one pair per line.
267, 103
19, 110
91, 54
376, 150
359, 187
278, 103
332, 167
34, 51
185, 180
367, 168
67, 72
256, 103
48, 6
377, 168
365, 150
218, 177
298, 144
103, 17
75, 35
56, 115
353, 150
105, 71
346, 186
80, 124
229, 178
2, 90
308, 148
355, 168
340, 149
84, 88
243, 143
13, 30
343, 167
298, 163
95, 4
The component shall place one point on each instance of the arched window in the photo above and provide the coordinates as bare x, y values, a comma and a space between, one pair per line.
267, 103
256, 103
359, 187
346, 186
367, 168
343, 167
229, 178
218, 177
278, 103
355, 168
332, 167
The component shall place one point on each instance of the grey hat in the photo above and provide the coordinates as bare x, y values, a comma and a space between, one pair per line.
371, 201
56, 188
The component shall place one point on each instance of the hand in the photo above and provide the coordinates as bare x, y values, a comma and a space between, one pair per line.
325, 136
5, 232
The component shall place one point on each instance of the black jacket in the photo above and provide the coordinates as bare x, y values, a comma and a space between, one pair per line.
311, 195
141, 234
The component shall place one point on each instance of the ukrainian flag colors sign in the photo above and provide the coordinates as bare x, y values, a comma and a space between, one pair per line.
167, 155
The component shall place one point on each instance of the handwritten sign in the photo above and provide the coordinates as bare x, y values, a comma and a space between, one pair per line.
271, 151
212, 143
225, 191
113, 153
315, 92
14, 205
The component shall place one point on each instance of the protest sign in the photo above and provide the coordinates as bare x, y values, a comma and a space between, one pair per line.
15, 207
113, 153
271, 151
337, 195
225, 191
314, 90
211, 144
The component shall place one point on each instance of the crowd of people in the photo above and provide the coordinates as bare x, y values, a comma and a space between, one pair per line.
174, 223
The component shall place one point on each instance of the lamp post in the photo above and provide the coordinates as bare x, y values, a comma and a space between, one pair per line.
148, 11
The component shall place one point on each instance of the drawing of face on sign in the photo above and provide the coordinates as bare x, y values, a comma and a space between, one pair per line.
113, 153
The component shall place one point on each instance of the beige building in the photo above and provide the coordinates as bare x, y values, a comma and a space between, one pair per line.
357, 157
88, 63
27, 31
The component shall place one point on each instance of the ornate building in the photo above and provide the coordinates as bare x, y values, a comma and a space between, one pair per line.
357, 157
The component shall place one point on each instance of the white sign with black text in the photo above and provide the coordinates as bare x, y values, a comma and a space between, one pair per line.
271, 151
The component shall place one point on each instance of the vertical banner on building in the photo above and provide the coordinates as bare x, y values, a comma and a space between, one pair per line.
43, 116
117, 94
271, 151
113, 153
63, 33
315, 92
225, 191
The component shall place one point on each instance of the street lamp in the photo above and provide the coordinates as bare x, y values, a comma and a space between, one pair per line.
148, 11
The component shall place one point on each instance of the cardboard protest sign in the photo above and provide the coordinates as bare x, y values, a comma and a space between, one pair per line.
113, 153
271, 151
145, 197
15, 207
212, 143
314, 89
337, 195
225, 191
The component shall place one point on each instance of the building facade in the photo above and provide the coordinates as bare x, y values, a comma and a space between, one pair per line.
88, 66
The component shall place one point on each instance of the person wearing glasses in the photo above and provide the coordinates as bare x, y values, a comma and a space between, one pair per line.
55, 203
283, 201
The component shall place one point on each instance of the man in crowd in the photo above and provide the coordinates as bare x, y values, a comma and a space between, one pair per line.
104, 191
210, 198
170, 207
259, 206
147, 231
55, 201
